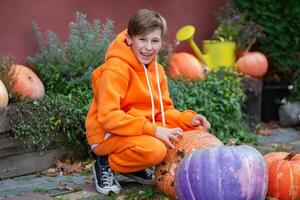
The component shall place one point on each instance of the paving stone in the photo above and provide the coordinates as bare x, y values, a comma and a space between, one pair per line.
30, 196
79, 195
282, 138
280, 135
31, 183
296, 145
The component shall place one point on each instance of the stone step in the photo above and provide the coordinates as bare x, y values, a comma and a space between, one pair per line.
286, 139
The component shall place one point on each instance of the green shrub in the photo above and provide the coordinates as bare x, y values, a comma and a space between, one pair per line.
295, 90
280, 21
219, 98
65, 67
53, 119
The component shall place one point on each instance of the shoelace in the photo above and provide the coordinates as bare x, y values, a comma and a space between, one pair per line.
149, 172
108, 177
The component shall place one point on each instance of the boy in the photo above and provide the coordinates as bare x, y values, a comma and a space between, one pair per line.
132, 121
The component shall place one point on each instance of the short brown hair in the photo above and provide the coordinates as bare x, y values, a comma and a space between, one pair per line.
145, 21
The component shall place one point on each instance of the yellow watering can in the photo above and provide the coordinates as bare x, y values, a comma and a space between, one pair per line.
216, 53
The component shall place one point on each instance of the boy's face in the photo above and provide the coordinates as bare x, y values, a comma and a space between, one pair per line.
145, 47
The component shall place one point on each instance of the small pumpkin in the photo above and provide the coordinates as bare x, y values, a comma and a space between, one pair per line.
252, 64
26, 83
222, 172
185, 65
3, 95
284, 175
165, 171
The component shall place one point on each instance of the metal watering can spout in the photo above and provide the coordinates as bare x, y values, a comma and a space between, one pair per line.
186, 33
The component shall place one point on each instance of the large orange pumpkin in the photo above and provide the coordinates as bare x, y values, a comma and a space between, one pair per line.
3, 95
253, 64
185, 65
284, 175
165, 171
26, 83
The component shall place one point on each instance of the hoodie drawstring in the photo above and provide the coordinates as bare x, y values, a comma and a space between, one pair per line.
160, 96
151, 95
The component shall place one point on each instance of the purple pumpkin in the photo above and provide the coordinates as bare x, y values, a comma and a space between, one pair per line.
225, 172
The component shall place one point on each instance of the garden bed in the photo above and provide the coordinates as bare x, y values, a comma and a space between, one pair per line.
16, 159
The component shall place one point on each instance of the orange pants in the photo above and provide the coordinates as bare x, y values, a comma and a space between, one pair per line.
133, 153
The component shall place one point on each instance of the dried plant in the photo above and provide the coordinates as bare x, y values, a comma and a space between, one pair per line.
6, 74
236, 26
165, 53
66, 66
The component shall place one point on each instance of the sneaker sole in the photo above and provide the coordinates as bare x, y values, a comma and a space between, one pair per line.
103, 190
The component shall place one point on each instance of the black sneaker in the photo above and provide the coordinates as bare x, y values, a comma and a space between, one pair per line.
145, 176
104, 178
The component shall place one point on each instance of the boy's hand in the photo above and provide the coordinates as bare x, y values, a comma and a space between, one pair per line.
200, 120
169, 136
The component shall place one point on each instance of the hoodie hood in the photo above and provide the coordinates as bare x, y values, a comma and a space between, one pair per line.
119, 49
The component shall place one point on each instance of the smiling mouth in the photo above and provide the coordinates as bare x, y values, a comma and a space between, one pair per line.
146, 54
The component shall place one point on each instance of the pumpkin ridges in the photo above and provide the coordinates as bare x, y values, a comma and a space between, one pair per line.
206, 163
284, 175
283, 187
185, 65
253, 64
295, 167
190, 140
3, 95
26, 83
275, 169
297, 184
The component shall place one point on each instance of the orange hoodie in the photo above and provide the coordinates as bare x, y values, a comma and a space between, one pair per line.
122, 102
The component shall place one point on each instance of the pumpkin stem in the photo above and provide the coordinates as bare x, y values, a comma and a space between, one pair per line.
290, 156
250, 45
231, 142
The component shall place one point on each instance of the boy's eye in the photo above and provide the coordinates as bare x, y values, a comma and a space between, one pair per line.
156, 41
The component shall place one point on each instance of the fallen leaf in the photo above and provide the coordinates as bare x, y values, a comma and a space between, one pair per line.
89, 179
265, 131
74, 168
51, 172
69, 168
68, 161
72, 187
88, 167
275, 145
287, 147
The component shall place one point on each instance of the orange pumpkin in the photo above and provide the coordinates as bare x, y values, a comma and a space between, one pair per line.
284, 175
3, 95
253, 64
26, 83
185, 65
165, 171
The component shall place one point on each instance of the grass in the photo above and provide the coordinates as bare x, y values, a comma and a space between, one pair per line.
133, 191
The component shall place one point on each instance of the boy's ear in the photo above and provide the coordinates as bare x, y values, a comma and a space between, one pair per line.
128, 40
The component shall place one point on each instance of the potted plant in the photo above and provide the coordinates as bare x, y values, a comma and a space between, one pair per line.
222, 46
234, 37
